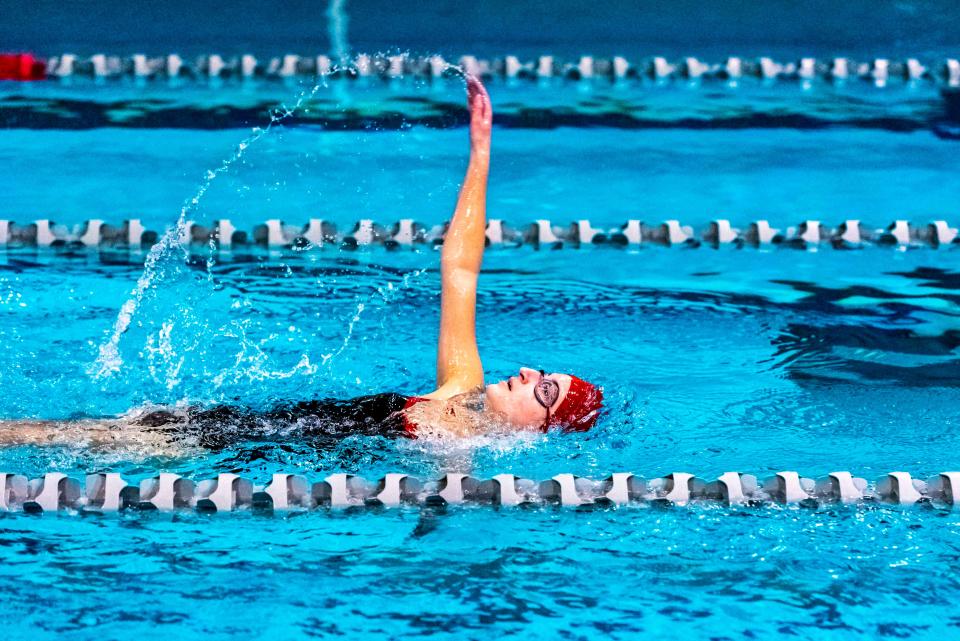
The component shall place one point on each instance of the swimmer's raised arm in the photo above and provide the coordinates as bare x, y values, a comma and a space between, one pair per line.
458, 359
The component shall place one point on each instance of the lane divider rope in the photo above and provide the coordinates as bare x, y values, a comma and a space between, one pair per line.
224, 237
110, 492
879, 72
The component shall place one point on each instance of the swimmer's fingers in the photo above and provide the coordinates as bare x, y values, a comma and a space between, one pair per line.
481, 115
474, 89
478, 100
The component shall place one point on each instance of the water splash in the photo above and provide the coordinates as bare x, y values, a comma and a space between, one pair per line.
109, 360
251, 363
163, 254
387, 293
468, 454
337, 29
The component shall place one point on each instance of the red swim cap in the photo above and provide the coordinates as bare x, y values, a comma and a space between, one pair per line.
579, 409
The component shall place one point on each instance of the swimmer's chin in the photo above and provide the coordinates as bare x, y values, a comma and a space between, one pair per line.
493, 395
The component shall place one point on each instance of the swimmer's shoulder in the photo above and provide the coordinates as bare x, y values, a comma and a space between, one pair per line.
449, 390
439, 414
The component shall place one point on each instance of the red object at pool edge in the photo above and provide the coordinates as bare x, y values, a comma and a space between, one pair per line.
21, 66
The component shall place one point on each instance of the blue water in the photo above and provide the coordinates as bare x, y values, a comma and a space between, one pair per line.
605, 175
703, 373
496, 27
711, 361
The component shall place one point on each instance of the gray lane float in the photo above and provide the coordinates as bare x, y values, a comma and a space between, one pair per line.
879, 72
224, 238
166, 492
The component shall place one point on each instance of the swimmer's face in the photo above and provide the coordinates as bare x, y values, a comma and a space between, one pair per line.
515, 400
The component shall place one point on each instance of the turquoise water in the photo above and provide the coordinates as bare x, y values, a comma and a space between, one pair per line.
607, 176
711, 361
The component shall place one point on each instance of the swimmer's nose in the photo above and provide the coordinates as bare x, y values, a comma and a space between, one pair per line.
527, 374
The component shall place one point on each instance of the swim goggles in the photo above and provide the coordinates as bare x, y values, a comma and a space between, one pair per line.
546, 391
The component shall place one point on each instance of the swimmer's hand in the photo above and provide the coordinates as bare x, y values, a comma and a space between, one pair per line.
481, 116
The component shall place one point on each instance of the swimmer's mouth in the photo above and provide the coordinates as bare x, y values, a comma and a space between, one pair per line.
510, 384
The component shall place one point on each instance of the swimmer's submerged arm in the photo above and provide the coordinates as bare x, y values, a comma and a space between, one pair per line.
43, 432
28, 432
113, 434
458, 359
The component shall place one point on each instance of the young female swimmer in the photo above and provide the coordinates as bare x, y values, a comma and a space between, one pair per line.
460, 405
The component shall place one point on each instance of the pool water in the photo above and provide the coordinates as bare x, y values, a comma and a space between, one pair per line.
564, 152
711, 361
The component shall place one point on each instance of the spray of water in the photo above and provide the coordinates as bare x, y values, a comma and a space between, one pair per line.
387, 293
108, 360
337, 29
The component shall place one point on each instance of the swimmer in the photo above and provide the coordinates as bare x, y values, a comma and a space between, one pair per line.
461, 405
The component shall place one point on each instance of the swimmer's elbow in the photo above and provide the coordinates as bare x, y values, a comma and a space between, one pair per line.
459, 277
